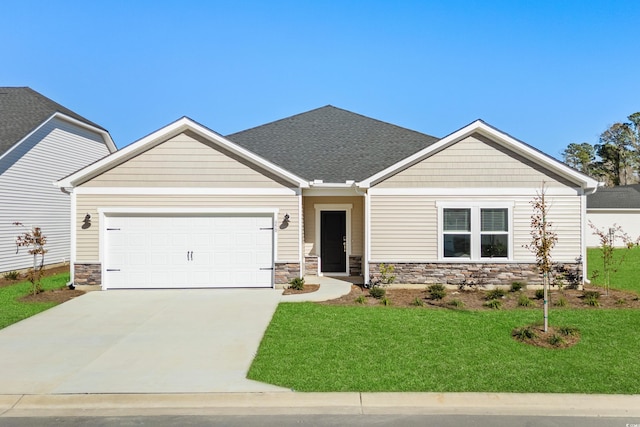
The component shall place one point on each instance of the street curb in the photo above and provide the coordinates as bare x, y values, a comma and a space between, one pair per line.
73, 405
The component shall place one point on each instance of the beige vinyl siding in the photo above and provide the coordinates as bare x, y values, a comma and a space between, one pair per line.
357, 222
405, 228
628, 219
88, 239
186, 161
474, 162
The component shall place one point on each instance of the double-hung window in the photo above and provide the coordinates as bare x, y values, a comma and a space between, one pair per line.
474, 232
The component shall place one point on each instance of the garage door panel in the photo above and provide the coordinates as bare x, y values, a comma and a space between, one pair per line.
189, 251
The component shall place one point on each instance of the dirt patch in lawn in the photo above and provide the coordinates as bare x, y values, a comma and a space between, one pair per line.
555, 337
57, 296
478, 300
305, 290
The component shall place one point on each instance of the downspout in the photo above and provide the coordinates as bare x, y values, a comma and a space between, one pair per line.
583, 208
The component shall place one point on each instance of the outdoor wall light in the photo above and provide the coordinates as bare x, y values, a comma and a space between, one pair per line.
86, 223
87, 218
286, 217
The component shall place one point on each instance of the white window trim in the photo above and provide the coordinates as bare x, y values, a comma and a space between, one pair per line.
475, 208
333, 207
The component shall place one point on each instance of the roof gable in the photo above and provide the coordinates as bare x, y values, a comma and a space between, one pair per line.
508, 142
23, 110
183, 125
332, 144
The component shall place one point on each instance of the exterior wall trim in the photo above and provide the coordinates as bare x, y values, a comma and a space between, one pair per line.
207, 191
422, 191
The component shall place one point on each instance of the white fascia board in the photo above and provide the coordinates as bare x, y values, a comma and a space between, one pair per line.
495, 135
190, 191
104, 134
471, 191
165, 133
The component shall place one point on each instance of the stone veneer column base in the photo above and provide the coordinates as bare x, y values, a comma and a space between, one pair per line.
87, 274
355, 265
492, 274
311, 265
285, 271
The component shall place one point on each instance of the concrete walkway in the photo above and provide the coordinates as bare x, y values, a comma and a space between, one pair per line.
330, 288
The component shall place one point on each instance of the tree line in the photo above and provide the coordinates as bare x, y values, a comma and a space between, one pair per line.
615, 159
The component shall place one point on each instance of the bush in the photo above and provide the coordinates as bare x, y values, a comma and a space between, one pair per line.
495, 304
568, 330
591, 294
524, 301
524, 333
561, 302
437, 291
361, 299
517, 286
385, 301
11, 275
495, 294
377, 292
418, 302
621, 301
592, 301
539, 293
456, 303
297, 283
556, 340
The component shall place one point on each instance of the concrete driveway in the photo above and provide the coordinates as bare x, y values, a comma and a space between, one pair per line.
147, 341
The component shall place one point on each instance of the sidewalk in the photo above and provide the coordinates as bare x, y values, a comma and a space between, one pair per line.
330, 288
290, 403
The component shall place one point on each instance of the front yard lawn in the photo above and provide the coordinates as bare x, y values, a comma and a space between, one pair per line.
312, 347
12, 310
626, 277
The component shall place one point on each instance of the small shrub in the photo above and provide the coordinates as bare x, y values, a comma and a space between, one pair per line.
418, 302
297, 283
621, 301
386, 274
524, 301
495, 304
526, 333
377, 292
11, 275
456, 303
591, 294
385, 301
437, 291
556, 340
361, 299
539, 293
568, 330
495, 294
560, 302
517, 286
592, 301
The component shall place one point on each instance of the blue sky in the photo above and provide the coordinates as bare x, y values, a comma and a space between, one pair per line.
547, 72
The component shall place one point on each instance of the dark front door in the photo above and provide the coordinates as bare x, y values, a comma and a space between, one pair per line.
333, 241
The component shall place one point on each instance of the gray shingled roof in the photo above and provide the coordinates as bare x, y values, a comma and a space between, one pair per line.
332, 144
22, 109
621, 197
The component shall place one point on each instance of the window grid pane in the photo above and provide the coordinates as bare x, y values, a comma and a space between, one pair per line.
494, 220
457, 220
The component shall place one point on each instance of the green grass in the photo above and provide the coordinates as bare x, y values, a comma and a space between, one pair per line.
310, 347
12, 310
627, 276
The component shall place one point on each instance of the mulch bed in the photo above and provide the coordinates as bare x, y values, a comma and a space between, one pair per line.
57, 296
305, 290
23, 276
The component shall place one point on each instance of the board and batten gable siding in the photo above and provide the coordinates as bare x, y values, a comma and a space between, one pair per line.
28, 195
87, 238
474, 162
357, 221
404, 226
186, 161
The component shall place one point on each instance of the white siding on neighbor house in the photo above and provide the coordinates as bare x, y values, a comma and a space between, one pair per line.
87, 249
474, 162
404, 228
357, 221
628, 219
186, 161
27, 174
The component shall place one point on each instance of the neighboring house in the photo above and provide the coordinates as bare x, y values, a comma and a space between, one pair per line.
40, 142
614, 206
325, 192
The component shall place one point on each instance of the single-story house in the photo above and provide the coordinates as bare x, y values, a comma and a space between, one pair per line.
325, 192
611, 206
40, 142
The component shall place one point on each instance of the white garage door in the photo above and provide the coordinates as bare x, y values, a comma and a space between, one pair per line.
188, 251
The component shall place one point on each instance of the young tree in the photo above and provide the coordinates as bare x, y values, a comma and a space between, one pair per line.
543, 239
607, 238
35, 241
